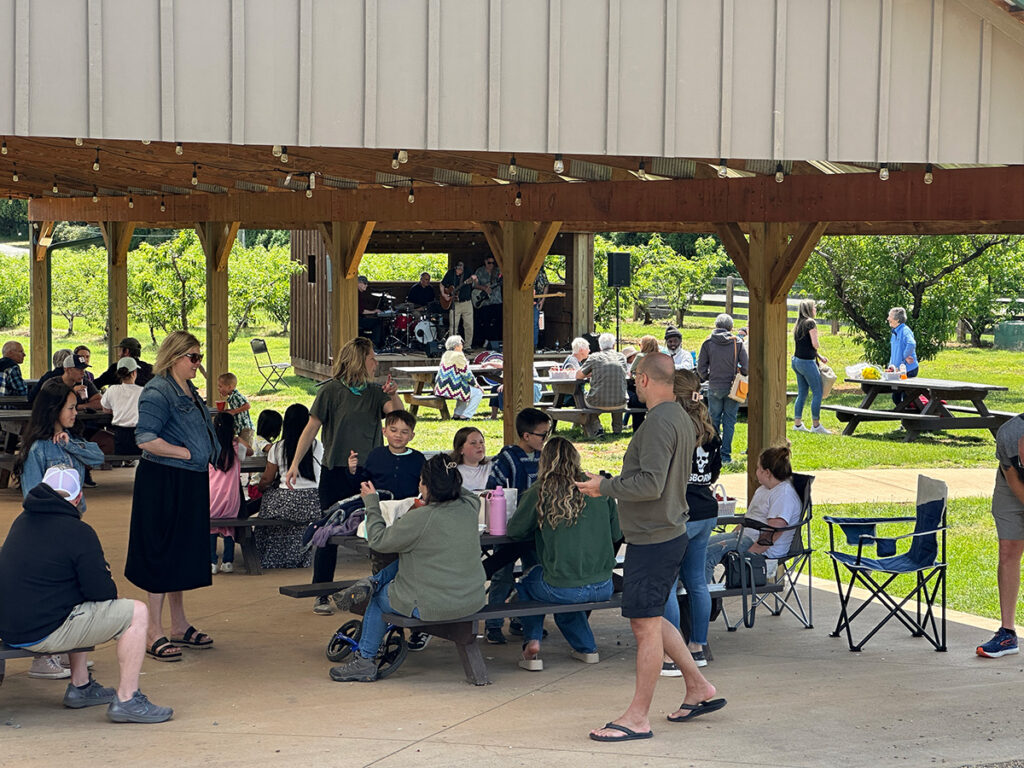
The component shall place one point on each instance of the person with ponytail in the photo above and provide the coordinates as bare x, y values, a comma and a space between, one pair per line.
575, 537
225, 487
707, 464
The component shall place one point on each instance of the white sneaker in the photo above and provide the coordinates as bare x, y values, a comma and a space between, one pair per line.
227, 567
213, 568
586, 658
820, 430
801, 427
48, 668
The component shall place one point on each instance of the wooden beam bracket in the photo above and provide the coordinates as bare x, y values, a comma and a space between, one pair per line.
736, 246
495, 237
787, 269
543, 237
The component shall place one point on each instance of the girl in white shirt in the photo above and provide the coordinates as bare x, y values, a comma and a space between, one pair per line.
470, 453
122, 400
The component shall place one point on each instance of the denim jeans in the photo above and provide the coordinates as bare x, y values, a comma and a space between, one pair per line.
807, 377
575, 627
693, 573
898, 395
723, 410
502, 583
374, 625
719, 545
467, 409
229, 549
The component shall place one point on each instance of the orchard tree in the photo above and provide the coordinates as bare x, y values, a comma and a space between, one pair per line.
685, 280
167, 283
260, 279
78, 285
14, 276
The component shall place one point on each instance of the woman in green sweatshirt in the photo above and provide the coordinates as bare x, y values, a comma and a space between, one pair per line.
575, 538
438, 575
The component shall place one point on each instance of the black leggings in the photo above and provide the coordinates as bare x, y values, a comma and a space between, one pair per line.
336, 483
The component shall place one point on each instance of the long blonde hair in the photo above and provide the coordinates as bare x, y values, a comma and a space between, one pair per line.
350, 367
684, 385
805, 316
174, 345
559, 501
648, 345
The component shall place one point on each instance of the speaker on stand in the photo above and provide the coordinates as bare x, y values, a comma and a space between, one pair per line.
618, 278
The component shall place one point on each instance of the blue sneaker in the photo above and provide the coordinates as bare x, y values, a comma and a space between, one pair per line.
1003, 644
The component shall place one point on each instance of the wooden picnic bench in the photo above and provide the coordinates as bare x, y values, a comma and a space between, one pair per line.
422, 394
245, 538
7, 652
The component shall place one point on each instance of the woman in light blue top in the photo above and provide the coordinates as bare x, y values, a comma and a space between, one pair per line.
170, 526
902, 348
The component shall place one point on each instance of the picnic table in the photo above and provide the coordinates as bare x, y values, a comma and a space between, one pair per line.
423, 377
932, 415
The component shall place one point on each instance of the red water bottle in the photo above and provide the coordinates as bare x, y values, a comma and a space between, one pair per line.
497, 518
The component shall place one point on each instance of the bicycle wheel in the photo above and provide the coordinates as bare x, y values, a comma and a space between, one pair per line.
392, 652
344, 641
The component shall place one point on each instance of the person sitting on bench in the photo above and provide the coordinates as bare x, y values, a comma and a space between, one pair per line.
58, 596
575, 537
607, 371
438, 575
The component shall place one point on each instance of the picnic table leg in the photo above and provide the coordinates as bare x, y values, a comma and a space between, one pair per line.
979, 406
445, 413
417, 389
247, 542
463, 634
870, 393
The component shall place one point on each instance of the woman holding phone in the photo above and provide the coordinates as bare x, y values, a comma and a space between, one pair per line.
348, 408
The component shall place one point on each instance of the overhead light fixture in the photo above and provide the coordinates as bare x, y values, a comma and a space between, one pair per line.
95, 195
412, 192
928, 178
195, 176
145, 142
309, 193
780, 174
284, 154
559, 165
78, 141
3, 147
403, 156
96, 162
276, 151
131, 201
394, 160
723, 168
163, 205
883, 172
54, 187
14, 175
519, 199
178, 149
512, 170
641, 171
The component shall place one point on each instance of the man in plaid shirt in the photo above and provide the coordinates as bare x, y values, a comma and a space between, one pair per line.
11, 382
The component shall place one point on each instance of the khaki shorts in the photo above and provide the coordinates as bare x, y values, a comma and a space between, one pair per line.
88, 624
1009, 523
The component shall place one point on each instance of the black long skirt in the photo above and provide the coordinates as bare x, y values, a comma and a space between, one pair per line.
169, 537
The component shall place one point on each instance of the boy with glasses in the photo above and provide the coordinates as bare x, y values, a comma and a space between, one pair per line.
516, 466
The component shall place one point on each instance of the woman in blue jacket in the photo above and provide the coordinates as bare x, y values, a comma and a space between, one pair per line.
902, 348
169, 537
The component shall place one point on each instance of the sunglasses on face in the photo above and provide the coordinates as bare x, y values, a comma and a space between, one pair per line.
194, 357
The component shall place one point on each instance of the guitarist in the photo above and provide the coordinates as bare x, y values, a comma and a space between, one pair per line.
456, 295
540, 289
487, 298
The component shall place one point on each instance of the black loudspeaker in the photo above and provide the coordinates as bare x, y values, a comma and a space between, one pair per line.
618, 269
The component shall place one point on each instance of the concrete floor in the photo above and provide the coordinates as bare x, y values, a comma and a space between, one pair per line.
262, 694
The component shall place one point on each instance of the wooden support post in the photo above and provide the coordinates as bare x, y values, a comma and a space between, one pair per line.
766, 402
117, 236
217, 237
580, 277
517, 332
730, 284
39, 321
346, 243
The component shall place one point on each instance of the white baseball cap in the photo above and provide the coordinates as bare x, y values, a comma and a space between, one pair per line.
64, 480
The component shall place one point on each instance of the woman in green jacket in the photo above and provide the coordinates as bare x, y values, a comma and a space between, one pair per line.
574, 535
438, 575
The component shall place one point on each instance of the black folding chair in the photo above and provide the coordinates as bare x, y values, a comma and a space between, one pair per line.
925, 559
271, 372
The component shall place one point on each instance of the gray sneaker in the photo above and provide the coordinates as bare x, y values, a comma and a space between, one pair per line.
76, 698
359, 670
138, 709
358, 593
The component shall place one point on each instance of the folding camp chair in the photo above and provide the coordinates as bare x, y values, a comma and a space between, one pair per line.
925, 559
781, 590
276, 370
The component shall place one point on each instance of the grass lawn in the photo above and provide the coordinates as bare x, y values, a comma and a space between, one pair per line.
971, 549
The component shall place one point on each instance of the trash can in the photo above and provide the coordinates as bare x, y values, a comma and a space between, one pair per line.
1010, 335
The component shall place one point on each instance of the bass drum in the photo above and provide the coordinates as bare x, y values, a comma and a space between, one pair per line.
425, 332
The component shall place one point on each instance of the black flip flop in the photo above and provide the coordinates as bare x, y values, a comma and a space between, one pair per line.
158, 650
193, 638
630, 733
696, 710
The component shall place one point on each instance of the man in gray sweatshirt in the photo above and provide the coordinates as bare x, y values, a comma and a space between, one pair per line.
651, 494
721, 356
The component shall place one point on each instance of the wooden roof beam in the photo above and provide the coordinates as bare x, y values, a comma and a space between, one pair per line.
785, 272
736, 246
543, 237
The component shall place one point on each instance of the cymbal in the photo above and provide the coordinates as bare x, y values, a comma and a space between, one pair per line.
382, 295
405, 306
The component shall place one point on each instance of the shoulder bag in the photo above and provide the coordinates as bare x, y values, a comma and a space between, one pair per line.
740, 384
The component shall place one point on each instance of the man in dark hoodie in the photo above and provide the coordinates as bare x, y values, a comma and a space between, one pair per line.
56, 594
722, 355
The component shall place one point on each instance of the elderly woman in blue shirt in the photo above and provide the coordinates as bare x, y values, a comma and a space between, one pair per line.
902, 348
169, 538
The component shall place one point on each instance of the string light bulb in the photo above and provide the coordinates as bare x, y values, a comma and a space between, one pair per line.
96, 162
95, 195
883, 172
559, 165
131, 201
309, 193
284, 154
54, 187
163, 205
780, 174
512, 170
641, 171
178, 149
14, 175
394, 160
276, 151
3, 147
78, 141
412, 192
928, 178
145, 142
519, 199
403, 156
723, 168
195, 176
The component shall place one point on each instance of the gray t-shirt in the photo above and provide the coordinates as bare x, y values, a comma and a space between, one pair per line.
1007, 452
351, 421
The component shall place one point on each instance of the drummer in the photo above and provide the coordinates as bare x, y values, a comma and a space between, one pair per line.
422, 294
369, 322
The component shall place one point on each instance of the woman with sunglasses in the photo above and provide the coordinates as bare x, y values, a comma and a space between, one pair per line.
170, 523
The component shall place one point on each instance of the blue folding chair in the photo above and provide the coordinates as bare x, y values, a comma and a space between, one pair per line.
926, 559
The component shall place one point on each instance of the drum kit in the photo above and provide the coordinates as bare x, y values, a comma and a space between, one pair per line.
408, 327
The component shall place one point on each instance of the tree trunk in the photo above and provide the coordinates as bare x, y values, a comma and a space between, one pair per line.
152, 333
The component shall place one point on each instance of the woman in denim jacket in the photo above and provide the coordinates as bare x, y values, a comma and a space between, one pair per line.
169, 536
47, 442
